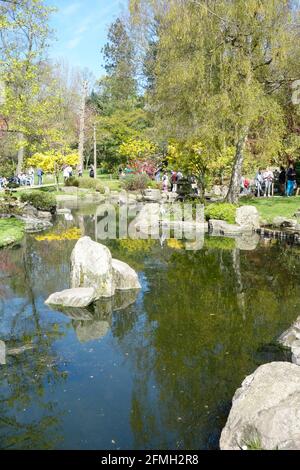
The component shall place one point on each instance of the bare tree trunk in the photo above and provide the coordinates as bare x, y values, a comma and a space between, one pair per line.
95, 152
235, 182
82, 124
20, 153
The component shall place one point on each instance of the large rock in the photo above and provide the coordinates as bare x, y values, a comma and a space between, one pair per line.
33, 225
220, 227
2, 353
291, 339
29, 211
284, 222
219, 191
265, 411
91, 266
77, 297
248, 218
125, 278
44, 215
152, 195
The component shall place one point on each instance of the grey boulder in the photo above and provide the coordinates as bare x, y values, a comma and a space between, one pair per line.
248, 218
91, 266
265, 411
79, 298
125, 278
291, 339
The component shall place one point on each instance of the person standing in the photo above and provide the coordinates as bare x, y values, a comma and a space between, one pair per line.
259, 182
66, 173
92, 171
40, 176
165, 181
291, 179
268, 180
282, 181
31, 176
174, 181
80, 171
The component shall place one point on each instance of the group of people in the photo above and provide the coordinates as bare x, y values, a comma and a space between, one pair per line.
25, 178
169, 180
286, 179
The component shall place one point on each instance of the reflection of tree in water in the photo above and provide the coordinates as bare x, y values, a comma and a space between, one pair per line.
193, 347
28, 419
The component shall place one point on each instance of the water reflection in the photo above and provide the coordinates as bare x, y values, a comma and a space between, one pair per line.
153, 371
94, 323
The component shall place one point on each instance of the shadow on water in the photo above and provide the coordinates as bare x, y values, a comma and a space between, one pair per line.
153, 369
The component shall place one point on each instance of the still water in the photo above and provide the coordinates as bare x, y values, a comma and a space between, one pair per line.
156, 370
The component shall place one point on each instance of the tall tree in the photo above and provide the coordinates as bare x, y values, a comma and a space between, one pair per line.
119, 57
23, 42
219, 71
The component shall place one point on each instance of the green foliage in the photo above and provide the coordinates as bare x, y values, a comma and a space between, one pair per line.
119, 60
7, 167
40, 200
91, 183
72, 181
221, 211
222, 73
136, 182
11, 231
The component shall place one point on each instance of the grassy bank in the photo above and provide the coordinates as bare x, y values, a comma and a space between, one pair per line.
269, 208
11, 231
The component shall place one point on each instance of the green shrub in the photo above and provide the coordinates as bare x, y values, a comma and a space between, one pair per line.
85, 183
72, 181
221, 211
91, 183
155, 184
136, 182
40, 200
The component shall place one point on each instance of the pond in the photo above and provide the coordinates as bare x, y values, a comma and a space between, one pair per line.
153, 371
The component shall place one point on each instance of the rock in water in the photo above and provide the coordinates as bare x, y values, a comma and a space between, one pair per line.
79, 298
91, 266
248, 218
291, 339
125, 278
220, 227
2, 353
265, 411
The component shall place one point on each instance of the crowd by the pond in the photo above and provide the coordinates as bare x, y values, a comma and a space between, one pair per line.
269, 182
32, 176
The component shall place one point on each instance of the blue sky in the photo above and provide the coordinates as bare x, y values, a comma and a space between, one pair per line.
81, 28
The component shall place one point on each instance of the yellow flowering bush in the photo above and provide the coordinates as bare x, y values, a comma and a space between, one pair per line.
53, 161
70, 234
175, 244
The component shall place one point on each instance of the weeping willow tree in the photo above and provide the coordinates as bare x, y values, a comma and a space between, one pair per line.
220, 68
